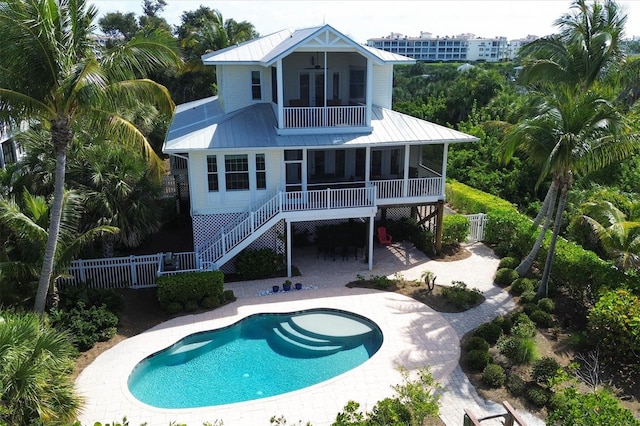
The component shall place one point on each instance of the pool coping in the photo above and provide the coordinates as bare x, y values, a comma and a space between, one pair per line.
415, 336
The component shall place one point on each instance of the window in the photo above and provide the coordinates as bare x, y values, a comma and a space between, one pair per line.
274, 85
256, 87
236, 172
336, 85
261, 172
356, 84
212, 173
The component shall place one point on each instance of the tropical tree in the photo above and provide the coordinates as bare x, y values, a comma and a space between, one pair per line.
53, 74
571, 127
36, 363
618, 233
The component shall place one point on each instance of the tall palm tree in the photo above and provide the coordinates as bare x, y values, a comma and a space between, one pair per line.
53, 74
618, 233
35, 373
570, 132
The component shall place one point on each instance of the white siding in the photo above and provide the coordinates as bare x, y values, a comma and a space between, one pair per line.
234, 85
382, 85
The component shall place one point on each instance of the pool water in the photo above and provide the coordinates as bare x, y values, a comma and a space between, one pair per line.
260, 356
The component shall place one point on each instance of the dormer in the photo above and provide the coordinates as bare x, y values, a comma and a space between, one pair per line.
317, 80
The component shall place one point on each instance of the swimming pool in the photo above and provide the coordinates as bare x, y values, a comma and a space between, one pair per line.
260, 356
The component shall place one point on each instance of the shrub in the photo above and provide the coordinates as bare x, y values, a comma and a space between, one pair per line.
459, 296
544, 369
189, 289
529, 308
524, 327
477, 343
489, 332
589, 409
477, 359
173, 308
390, 411
508, 262
542, 318
538, 396
547, 305
528, 296
493, 375
614, 322
517, 349
504, 321
522, 285
86, 325
261, 263
228, 296
515, 384
455, 229
210, 302
505, 276
71, 295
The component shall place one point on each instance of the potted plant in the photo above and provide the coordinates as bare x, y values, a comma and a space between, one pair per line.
275, 288
287, 285
298, 286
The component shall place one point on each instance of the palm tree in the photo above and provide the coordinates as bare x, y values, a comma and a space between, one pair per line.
35, 373
53, 74
26, 221
570, 132
566, 67
618, 234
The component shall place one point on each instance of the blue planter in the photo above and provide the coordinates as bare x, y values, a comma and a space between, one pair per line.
276, 288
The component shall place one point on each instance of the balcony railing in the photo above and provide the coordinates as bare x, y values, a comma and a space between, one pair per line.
416, 187
333, 116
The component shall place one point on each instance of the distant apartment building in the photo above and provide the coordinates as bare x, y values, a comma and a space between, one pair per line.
516, 44
462, 47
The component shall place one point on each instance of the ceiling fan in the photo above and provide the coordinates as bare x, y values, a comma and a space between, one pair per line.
315, 63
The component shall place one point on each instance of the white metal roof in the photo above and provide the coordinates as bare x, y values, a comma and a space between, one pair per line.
204, 127
268, 49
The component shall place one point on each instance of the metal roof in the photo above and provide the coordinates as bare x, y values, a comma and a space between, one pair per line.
205, 127
266, 50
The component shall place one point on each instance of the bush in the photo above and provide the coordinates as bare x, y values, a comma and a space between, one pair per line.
517, 349
505, 276
529, 308
522, 285
477, 359
189, 289
489, 332
261, 263
528, 296
71, 295
228, 296
524, 327
544, 369
505, 322
86, 325
459, 296
613, 322
477, 343
455, 229
599, 408
542, 318
538, 396
210, 302
547, 305
508, 262
493, 375
173, 308
515, 384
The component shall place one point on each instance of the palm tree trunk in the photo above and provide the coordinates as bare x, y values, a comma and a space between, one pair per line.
547, 208
543, 290
61, 135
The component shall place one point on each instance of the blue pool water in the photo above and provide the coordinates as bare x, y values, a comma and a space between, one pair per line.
260, 356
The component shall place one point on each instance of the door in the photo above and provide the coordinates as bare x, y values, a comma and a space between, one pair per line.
312, 88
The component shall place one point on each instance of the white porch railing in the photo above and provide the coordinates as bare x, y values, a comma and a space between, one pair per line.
305, 117
416, 187
208, 255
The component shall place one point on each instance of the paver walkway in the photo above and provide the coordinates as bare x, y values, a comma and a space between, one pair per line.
414, 334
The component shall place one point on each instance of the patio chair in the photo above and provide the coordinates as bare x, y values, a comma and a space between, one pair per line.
384, 238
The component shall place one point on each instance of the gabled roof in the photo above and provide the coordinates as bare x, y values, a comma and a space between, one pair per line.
268, 49
200, 128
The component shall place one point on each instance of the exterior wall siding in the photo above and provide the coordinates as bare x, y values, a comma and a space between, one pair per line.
382, 85
236, 86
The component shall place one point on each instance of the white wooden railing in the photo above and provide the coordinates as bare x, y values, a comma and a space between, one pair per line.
209, 255
416, 187
305, 117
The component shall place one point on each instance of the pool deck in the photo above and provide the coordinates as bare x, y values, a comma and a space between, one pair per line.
414, 336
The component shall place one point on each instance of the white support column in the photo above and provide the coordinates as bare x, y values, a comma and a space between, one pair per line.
372, 221
280, 94
289, 272
367, 164
445, 149
369, 91
405, 183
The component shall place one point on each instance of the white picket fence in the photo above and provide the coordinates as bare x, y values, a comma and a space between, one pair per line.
477, 223
125, 272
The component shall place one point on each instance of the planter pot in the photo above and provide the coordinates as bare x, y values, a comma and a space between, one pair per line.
286, 287
276, 288
298, 286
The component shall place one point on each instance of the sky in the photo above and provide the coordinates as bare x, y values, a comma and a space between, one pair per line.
365, 19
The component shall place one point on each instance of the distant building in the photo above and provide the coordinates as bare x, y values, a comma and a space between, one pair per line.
516, 45
10, 150
462, 47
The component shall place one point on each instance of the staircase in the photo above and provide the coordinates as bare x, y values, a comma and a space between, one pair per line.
223, 246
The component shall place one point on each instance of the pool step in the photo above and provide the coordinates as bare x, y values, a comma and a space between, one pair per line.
288, 330
186, 352
286, 341
335, 327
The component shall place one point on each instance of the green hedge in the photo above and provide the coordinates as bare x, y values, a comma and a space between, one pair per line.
189, 290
